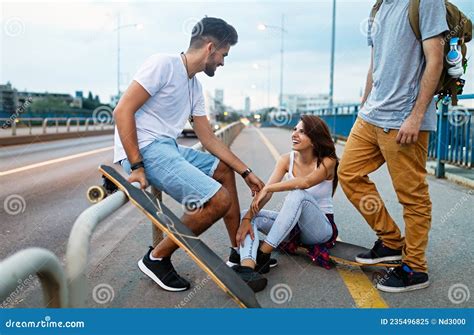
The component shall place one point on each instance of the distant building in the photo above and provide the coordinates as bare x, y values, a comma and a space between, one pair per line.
219, 106
304, 103
8, 100
247, 106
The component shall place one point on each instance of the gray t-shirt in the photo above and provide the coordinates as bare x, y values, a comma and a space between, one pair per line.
399, 62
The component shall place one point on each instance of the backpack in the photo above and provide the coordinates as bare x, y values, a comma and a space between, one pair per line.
459, 26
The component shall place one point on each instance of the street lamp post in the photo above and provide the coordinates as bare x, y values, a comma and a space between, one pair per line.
333, 47
282, 30
119, 27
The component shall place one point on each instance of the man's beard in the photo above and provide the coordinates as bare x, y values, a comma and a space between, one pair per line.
210, 70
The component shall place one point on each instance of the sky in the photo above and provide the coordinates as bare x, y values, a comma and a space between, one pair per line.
65, 46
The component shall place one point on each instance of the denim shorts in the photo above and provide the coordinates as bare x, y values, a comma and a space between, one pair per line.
181, 172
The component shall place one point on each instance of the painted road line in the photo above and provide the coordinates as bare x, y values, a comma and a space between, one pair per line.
364, 294
54, 161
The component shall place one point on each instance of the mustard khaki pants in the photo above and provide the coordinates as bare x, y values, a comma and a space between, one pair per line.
369, 147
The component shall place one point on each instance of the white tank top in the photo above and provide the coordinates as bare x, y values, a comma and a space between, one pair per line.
321, 192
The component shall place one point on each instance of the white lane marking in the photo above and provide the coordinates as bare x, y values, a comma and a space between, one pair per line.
54, 161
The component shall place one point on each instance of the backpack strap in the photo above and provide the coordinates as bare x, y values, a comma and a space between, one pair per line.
414, 17
375, 9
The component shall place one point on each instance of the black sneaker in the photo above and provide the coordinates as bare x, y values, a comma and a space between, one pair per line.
163, 273
253, 279
403, 279
378, 254
263, 262
234, 259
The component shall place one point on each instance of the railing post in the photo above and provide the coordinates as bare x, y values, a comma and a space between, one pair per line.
45, 124
440, 144
14, 127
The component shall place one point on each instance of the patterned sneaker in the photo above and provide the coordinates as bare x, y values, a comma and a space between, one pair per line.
163, 273
378, 254
403, 279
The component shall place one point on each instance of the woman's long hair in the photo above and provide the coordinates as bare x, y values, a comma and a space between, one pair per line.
323, 145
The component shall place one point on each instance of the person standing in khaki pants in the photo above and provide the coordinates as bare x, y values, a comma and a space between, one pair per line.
393, 125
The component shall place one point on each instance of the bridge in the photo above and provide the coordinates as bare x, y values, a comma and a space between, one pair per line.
43, 195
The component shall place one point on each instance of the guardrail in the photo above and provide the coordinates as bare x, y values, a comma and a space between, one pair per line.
452, 143
63, 124
69, 288
34, 261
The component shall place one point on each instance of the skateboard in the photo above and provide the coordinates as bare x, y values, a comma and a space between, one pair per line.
166, 221
345, 253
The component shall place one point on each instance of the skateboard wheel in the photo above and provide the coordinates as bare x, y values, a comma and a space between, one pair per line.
96, 194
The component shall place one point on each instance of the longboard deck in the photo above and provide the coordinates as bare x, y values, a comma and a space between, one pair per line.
345, 253
204, 257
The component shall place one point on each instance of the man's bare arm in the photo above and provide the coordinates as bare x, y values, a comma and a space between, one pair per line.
124, 114
370, 80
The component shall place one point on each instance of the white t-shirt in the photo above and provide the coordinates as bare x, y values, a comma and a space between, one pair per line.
172, 94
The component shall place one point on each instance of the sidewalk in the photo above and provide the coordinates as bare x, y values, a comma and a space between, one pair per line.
459, 175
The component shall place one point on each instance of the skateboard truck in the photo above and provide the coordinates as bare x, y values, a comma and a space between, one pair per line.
98, 193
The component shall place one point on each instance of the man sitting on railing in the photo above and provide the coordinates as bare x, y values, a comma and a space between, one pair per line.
393, 127
150, 116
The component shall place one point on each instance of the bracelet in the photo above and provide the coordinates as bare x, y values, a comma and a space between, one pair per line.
137, 165
246, 173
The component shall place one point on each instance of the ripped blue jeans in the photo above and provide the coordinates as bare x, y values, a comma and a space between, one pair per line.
299, 208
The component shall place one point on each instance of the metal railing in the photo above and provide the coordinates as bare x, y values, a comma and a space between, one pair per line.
34, 261
452, 143
58, 125
69, 288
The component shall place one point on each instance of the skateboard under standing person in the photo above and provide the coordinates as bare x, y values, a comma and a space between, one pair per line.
151, 114
398, 112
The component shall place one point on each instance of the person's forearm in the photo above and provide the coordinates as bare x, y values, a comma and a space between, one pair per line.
127, 131
368, 87
429, 83
250, 213
289, 185
220, 150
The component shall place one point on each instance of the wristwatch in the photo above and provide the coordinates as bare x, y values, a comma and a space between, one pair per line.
137, 165
246, 173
